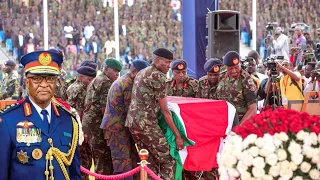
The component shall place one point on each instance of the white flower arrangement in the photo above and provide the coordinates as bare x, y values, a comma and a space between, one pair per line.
276, 155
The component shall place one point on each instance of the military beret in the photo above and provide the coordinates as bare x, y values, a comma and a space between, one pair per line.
87, 70
164, 53
139, 64
114, 64
231, 58
10, 63
179, 64
42, 62
89, 63
213, 65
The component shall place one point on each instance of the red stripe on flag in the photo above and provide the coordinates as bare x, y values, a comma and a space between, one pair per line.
206, 122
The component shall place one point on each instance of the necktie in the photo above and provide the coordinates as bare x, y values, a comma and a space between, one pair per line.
45, 120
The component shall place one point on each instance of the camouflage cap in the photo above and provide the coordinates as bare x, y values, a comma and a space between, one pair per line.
231, 58
213, 65
114, 64
179, 64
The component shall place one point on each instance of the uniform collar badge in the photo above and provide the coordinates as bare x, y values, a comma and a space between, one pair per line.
180, 66
27, 109
235, 61
22, 157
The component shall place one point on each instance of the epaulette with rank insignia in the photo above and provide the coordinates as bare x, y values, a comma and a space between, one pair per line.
9, 108
193, 82
245, 73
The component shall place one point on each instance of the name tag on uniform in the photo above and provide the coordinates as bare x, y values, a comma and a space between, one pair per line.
27, 133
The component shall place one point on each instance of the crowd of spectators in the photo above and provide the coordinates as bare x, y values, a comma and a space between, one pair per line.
84, 29
283, 12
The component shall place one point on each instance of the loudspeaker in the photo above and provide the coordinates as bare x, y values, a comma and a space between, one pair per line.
223, 33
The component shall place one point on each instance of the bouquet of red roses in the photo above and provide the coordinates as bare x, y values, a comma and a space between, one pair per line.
279, 144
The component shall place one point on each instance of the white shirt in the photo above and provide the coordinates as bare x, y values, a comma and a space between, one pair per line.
39, 109
281, 46
20, 40
88, 31
309, 86
68, 31
124, 30
95, 47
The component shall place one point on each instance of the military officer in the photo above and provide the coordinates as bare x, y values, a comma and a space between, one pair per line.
9, 85
149, 96
76, 97
237, 87
208, 84
95, 102
181, 84
118, 137
61, 86
39, 138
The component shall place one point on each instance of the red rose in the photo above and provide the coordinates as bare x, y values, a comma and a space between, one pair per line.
295, 127
315, 129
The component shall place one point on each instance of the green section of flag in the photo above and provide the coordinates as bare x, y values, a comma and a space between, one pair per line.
172, 140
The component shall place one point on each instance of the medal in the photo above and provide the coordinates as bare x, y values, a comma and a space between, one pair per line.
37, 154
22, 157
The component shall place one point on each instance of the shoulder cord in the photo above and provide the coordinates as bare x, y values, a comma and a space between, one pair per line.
63, 159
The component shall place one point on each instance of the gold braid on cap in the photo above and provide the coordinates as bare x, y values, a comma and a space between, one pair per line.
63, 159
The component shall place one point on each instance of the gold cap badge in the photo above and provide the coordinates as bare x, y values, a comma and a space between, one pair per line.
45, 58
180, 66
235, 61
216, 69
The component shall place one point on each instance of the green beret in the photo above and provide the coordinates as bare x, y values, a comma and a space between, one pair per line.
114, 64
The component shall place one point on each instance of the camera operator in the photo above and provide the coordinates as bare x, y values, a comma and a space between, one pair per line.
280, 44
310, 77
290, 82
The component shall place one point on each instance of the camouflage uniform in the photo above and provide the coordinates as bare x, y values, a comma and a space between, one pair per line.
61, 89
149, 87
189, 89
205, 89
118, 136
95, 101
76, 97
9, 87
234, 90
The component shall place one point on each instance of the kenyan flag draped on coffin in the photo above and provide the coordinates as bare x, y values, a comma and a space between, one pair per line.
204, 122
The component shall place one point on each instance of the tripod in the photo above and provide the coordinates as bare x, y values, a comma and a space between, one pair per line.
275, 90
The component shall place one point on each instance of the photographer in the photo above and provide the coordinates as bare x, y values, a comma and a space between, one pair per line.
290, 83
314, 80
280, 44
309, 76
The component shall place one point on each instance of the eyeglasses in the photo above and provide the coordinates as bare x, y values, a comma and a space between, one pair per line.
39, 79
